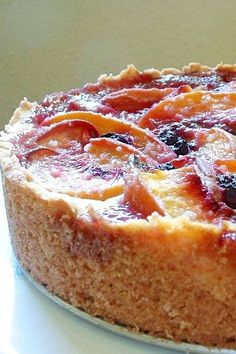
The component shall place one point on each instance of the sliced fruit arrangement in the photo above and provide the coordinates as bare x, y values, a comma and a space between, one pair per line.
162, 143
97, 149
194, 109
96, 173
103, 125
188, 191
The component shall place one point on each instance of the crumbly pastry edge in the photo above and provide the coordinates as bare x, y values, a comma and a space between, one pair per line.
69, 208
131, 71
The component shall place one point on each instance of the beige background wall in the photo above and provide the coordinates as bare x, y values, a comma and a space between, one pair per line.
51, 45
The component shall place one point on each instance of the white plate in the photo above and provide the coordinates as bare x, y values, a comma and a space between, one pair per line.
32, 324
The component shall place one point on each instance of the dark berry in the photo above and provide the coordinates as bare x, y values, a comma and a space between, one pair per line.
178, 144
123, 138
97, 171
230, 197
228, 183
134, 161
165, 166
168, 137
181, 147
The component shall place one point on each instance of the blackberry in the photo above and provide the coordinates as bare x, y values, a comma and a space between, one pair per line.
228, 183
165, 166
134, 161
168, 137
181, 147
97, 171
123, 138
178, 144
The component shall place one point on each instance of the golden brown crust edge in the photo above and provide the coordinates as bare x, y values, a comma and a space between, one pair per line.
131, 71
108, 273
122, 277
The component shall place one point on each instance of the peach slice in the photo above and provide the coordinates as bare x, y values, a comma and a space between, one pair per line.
105, 191
140, 198
179, 192
229, 165
102, 123
217, 145
39, 153
144, 140
65, 132
133, 100
187, 105
109, 150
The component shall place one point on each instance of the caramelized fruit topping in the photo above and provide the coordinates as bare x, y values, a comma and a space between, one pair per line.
162, 144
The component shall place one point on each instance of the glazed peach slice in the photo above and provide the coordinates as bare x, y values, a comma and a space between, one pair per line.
133, 100
226, 165
179, 192
144, 140
140, 198
105, 190
63, 133
103, 124
216, 147
113, 151
215, 144
39, 153
189, 104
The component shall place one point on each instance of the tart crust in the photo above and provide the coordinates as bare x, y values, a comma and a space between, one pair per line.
170, 278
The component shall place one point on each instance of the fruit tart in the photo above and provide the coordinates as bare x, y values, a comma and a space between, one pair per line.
121, 199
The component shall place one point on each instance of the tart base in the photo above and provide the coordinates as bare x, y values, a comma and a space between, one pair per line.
121, 277
122, 330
